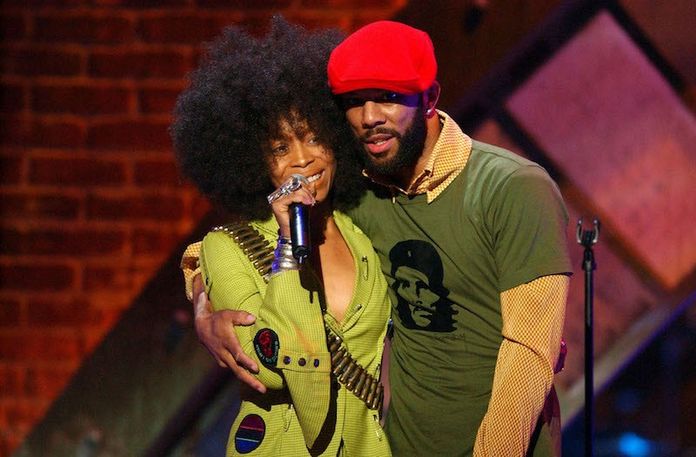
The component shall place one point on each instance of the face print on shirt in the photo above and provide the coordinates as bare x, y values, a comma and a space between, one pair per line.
421, 297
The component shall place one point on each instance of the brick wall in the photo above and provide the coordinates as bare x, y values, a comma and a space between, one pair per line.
90, 199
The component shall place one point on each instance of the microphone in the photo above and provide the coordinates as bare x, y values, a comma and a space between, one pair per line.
299, 231
299, 228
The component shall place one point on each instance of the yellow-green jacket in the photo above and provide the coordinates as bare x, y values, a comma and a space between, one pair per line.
305, 406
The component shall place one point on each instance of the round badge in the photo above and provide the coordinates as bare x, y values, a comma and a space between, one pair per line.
250, 434
267, 345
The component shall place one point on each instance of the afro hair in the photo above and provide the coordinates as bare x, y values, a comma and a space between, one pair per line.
244, 87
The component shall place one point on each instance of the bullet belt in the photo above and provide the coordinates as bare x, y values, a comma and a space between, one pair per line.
345, 369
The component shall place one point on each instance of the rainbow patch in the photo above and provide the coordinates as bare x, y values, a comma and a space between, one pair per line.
250, 434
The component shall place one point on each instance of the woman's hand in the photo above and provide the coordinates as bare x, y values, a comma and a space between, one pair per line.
295, 190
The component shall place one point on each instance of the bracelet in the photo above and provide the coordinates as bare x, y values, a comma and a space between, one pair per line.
283, 259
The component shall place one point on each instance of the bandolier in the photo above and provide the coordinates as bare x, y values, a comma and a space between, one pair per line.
344, 368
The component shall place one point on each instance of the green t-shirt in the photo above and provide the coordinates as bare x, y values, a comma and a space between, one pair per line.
499, 224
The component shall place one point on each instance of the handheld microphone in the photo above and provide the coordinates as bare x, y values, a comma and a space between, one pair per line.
299, 228
299, 231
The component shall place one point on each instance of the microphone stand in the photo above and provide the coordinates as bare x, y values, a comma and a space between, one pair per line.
588, 238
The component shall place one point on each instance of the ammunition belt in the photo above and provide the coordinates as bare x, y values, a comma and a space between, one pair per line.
346, 370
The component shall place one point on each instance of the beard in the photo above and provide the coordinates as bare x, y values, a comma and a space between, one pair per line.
410, 148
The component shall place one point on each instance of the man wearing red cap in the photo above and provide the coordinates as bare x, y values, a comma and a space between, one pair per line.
472, 240
472, 360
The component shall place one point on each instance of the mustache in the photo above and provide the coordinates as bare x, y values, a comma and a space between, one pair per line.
380, 130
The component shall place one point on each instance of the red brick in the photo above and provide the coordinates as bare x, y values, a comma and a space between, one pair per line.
246, 4
10, 169
100, 278
140, 207
38, 346
181, 28
53, 134
61, 312
197, 55
157, 100
14, 437
200, 206
12, 27
138, 135
144, 271
93, 337
255, 24
47, 382
76, 172
111, 315
75, 243
320, 22
142, 4
51, 3
138, 64
10, 315
353, 4
25, 277
156, 173
18, 206
38, 62
154, 241
83, 28
12, 380
3, 423
11, 98
26, 412
79, 100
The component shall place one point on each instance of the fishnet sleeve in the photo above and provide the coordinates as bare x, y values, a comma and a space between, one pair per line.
533, 316
190, 267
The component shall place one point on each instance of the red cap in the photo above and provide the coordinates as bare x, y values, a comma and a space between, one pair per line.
383, 55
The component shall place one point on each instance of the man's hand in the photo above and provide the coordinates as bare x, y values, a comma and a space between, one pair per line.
215, 331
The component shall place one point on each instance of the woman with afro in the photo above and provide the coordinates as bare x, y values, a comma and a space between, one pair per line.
258, 116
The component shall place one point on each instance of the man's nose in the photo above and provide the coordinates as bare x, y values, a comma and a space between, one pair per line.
372, 114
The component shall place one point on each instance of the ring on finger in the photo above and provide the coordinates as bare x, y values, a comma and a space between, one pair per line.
291, 185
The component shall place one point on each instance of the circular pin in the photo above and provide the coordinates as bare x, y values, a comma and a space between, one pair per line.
250, 434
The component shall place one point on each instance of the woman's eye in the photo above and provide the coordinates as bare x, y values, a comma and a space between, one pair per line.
313, 140
279, 150
390, 96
